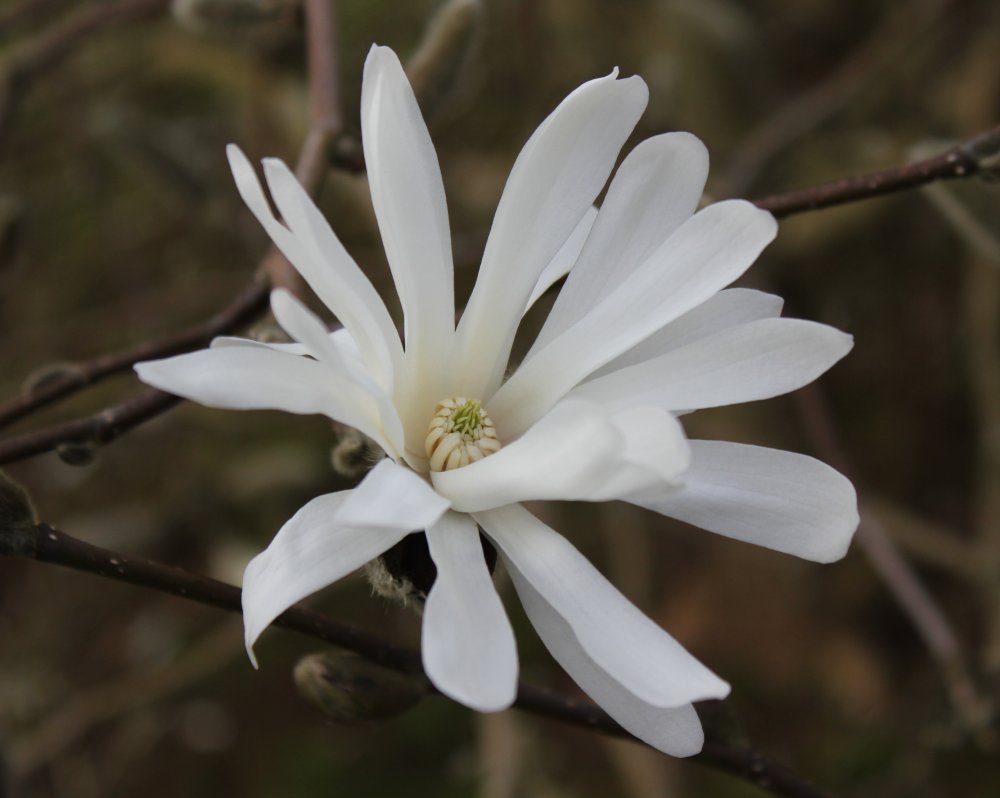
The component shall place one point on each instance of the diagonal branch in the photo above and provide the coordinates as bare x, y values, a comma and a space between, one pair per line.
46, 544
248, 304
978, 155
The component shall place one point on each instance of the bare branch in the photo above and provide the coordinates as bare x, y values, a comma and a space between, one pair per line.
895, 571
98, 429
46, 544
249, 304
975, 156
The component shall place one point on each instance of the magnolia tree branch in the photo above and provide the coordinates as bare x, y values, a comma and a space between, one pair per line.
43, 543
896, 572
978, 155
95, 430
248, 305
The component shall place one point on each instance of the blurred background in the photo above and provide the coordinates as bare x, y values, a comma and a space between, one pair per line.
119, 222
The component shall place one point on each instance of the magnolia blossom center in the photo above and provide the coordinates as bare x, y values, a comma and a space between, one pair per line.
460, 432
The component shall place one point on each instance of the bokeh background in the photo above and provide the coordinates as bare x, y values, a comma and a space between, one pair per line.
119, 222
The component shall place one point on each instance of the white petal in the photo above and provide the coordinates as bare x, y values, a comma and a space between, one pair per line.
553, 183
622, 641
565, 258
392, 495
261, 378
656, 188
753, 361
314, 250
720, 311
341, 338
577, 451
673, 730
781, 500
706, 253
231, 341
305, 327
655, 440
312, 550
468, 645
408, 196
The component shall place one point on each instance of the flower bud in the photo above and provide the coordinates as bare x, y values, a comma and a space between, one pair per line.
51, 373
16, 516
77, 454
350, 689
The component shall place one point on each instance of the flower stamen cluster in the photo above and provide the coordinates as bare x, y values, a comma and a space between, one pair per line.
460, 432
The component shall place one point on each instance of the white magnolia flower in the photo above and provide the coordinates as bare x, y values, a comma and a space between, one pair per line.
641, 331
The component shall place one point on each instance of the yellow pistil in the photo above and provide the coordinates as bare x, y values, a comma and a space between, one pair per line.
460, 432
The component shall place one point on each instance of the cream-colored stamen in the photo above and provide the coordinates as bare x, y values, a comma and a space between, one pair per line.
461, 432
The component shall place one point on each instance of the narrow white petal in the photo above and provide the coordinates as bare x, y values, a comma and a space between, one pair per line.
553, 183
673, 730
342, 340
655, 440
752, 361
316, 252
232, 341
728, 308
705, 254
622, 641
565, 258
305, 327
394, 496
312, 550
258, 377
578, 451
467, 645
781, 500
656, 188
408, 196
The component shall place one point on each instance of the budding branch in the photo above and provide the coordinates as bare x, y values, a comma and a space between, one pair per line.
44, 543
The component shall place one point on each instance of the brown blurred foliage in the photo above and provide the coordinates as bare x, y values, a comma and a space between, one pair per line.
119, 222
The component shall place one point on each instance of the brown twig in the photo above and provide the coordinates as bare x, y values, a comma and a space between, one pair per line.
325, 123
895, 571
46, 544
61, 41
248, 304
977, 155
97, 429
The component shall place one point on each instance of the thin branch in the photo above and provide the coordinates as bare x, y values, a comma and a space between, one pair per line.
324, 68
98, 429
977, 155
248, 305
325, 123
60, 42
46, 544
895, 571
